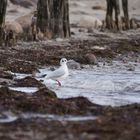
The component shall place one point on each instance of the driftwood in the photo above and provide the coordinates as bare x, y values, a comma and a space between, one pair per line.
53, 18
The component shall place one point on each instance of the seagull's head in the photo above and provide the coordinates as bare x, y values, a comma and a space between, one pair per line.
63, 61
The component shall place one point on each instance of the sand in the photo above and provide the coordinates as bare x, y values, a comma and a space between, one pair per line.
78, 10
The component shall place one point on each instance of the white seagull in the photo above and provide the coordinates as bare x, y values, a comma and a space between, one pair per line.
60, 73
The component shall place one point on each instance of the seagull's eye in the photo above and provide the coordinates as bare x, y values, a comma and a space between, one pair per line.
62, 61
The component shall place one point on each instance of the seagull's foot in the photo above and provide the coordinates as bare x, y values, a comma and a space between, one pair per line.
58, 83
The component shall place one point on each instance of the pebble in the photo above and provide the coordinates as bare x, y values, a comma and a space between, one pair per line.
73, 65
91, 58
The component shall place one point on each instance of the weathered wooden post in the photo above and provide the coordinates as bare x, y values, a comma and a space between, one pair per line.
43, 15
126, 15
66, 22
112, 5
3, 6
53, 18
116, 5
109, 14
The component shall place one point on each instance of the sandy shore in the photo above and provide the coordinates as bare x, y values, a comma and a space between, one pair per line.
78, 9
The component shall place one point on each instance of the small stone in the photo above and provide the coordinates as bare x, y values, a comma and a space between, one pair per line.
72, 33
131, 68
90, 30
59, 39
73, 65
81, 30
91, 58
85, 66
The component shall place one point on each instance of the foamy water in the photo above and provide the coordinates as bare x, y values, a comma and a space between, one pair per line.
105, 85
25, 89
9, 117
51, 117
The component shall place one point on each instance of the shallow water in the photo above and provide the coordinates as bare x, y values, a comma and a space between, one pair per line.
9, 117
111, 85
51, 117
25, 89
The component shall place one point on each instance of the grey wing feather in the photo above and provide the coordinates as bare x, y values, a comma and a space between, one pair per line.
55, 74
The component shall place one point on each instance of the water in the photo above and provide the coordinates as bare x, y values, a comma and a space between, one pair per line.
105, 85
51, 117
25, 89
9, 117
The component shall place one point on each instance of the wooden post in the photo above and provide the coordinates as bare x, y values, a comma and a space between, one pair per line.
126, 15
58, 12
112, 5
3, 6
109, 14
43, 15
66, 22
117, 13
53, 18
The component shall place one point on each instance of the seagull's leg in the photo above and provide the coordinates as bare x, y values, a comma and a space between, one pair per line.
58, 83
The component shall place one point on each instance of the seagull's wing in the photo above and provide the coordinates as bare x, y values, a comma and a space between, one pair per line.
56, 74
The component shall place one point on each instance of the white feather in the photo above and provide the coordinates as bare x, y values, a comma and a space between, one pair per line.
60, 73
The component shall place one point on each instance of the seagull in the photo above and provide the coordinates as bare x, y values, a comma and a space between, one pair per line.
60, 73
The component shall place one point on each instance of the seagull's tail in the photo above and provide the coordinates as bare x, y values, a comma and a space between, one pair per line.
42, 76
